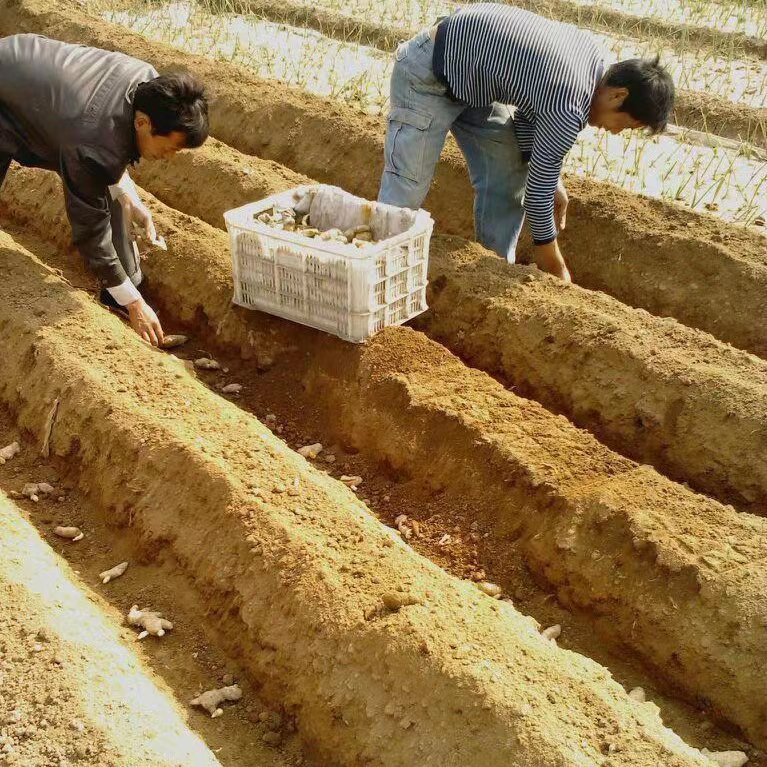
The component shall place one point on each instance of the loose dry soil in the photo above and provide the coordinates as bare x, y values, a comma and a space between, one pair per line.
357, 644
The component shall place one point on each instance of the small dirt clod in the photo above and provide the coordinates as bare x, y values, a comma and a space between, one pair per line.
272, 738
310, 451
396, 600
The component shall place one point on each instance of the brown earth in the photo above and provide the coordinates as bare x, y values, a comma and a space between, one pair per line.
298, 580
650, 388
279, 391
646, 253
549, 500
449, 529
188, 661
56, 649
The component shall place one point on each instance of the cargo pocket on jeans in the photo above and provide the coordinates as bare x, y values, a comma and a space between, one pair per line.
406, 139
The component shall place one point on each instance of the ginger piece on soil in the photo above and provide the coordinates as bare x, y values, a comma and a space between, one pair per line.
172, 340
115, 572
152, 622
206, 363
73, 534
232, 388
552, 633
310, 451
638, 694
211, 699
30, 491
9, 451
491, 589
33, 490
726, 758
404, 529
351, 481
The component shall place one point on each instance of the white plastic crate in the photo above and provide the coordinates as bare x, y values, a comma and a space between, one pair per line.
348, 291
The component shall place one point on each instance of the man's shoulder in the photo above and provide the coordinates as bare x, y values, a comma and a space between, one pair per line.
103, 165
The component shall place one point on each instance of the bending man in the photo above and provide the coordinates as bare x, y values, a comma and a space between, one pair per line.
87, 114
463, 75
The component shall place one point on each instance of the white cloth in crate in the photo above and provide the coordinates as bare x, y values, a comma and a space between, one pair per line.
329, 208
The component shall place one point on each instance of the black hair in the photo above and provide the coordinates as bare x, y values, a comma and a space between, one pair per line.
175, 102
650, 96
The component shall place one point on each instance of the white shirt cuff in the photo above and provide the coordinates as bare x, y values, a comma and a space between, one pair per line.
125, 293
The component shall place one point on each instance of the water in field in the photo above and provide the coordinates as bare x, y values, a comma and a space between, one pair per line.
719, 180
297, 56
748, 17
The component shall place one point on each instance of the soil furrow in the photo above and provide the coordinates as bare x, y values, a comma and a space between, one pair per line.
560, 492
670, 33
192, 658
652, 389
56, 648
300, 579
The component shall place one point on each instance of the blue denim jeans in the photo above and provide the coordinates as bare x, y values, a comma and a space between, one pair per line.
421, 115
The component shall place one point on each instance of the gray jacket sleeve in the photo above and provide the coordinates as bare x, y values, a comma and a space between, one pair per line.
87, 200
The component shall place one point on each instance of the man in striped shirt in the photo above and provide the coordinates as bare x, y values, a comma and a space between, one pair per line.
515, 90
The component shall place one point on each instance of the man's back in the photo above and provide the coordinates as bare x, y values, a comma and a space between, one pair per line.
499, 53
63, 95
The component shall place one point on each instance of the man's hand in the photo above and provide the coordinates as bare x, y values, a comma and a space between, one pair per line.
561, 201
549, 259
144, 321
139, 214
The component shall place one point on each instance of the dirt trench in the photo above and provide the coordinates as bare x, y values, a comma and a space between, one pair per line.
646, 253
649, 387
546, 487
195, 656
56, 649
447, 676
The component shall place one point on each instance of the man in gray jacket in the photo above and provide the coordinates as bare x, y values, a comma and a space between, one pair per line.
87, 114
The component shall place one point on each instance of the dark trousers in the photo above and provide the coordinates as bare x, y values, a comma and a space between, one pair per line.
122, 236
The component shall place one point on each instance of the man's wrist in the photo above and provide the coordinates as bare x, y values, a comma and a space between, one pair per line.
125, 293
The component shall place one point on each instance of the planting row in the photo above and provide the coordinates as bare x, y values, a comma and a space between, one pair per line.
57, 648
379, 655
551, 488
651, 388
695, 66
706, 172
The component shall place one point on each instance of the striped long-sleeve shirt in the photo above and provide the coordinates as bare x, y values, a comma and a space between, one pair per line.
549, 71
